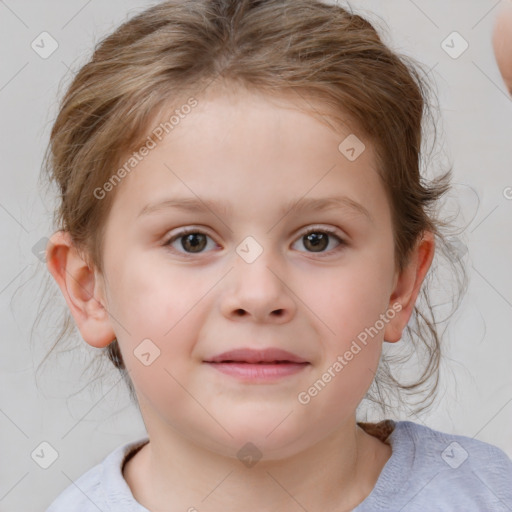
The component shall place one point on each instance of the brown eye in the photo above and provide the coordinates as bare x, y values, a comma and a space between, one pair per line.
193, 242
318, 240
189, 242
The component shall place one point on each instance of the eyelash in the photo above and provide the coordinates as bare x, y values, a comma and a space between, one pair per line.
328, 231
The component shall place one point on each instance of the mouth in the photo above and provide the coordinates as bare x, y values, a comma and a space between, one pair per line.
258, 365
264, 356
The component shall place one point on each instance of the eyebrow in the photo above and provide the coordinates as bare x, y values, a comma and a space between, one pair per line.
196, 205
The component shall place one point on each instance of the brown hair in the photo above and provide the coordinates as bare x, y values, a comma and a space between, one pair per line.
316, 50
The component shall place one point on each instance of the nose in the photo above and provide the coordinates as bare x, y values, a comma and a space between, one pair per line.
258, 292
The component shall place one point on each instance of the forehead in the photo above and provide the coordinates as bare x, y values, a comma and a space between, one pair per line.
254, 148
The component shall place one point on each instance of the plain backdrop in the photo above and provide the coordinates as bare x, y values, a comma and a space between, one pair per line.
84, 419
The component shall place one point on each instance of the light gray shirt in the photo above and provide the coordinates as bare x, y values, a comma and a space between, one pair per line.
428, 470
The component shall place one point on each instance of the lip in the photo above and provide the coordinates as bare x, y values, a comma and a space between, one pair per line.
248, 355
266, 365
259, 372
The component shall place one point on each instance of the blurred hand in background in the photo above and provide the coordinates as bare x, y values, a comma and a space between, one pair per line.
502, 42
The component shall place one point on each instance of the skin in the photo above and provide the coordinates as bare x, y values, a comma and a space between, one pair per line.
502, 43
257, 154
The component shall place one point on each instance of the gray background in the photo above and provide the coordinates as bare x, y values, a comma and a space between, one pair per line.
85, 418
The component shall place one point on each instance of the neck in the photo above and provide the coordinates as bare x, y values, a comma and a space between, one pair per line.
335, 474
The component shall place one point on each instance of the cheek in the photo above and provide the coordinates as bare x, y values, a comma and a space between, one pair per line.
351, 302
151, 296
351, 331
160, 312
351, 297
155, 312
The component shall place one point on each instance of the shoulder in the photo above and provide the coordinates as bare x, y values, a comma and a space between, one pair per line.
455, 451
84, 494
454, 470
102, 487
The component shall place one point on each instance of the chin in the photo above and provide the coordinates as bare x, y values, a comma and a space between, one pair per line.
265, 438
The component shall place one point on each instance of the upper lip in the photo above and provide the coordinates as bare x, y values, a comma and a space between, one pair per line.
248, 355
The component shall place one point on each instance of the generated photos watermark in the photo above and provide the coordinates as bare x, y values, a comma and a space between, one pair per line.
304, 397
152, 141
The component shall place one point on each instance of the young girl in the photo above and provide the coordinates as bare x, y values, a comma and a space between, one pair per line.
242, 225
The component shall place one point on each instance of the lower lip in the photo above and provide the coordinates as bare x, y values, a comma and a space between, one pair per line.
259, 371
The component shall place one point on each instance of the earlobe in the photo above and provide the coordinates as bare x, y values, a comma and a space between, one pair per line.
81, 288
408, 285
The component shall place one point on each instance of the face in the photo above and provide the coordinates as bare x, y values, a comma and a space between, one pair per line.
253, 272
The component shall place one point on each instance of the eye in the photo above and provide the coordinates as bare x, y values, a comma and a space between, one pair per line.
316, 240
191, 241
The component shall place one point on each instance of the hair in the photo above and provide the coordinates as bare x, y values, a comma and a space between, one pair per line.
330, 57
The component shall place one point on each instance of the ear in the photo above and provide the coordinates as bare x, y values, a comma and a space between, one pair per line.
82, 288
408, 285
